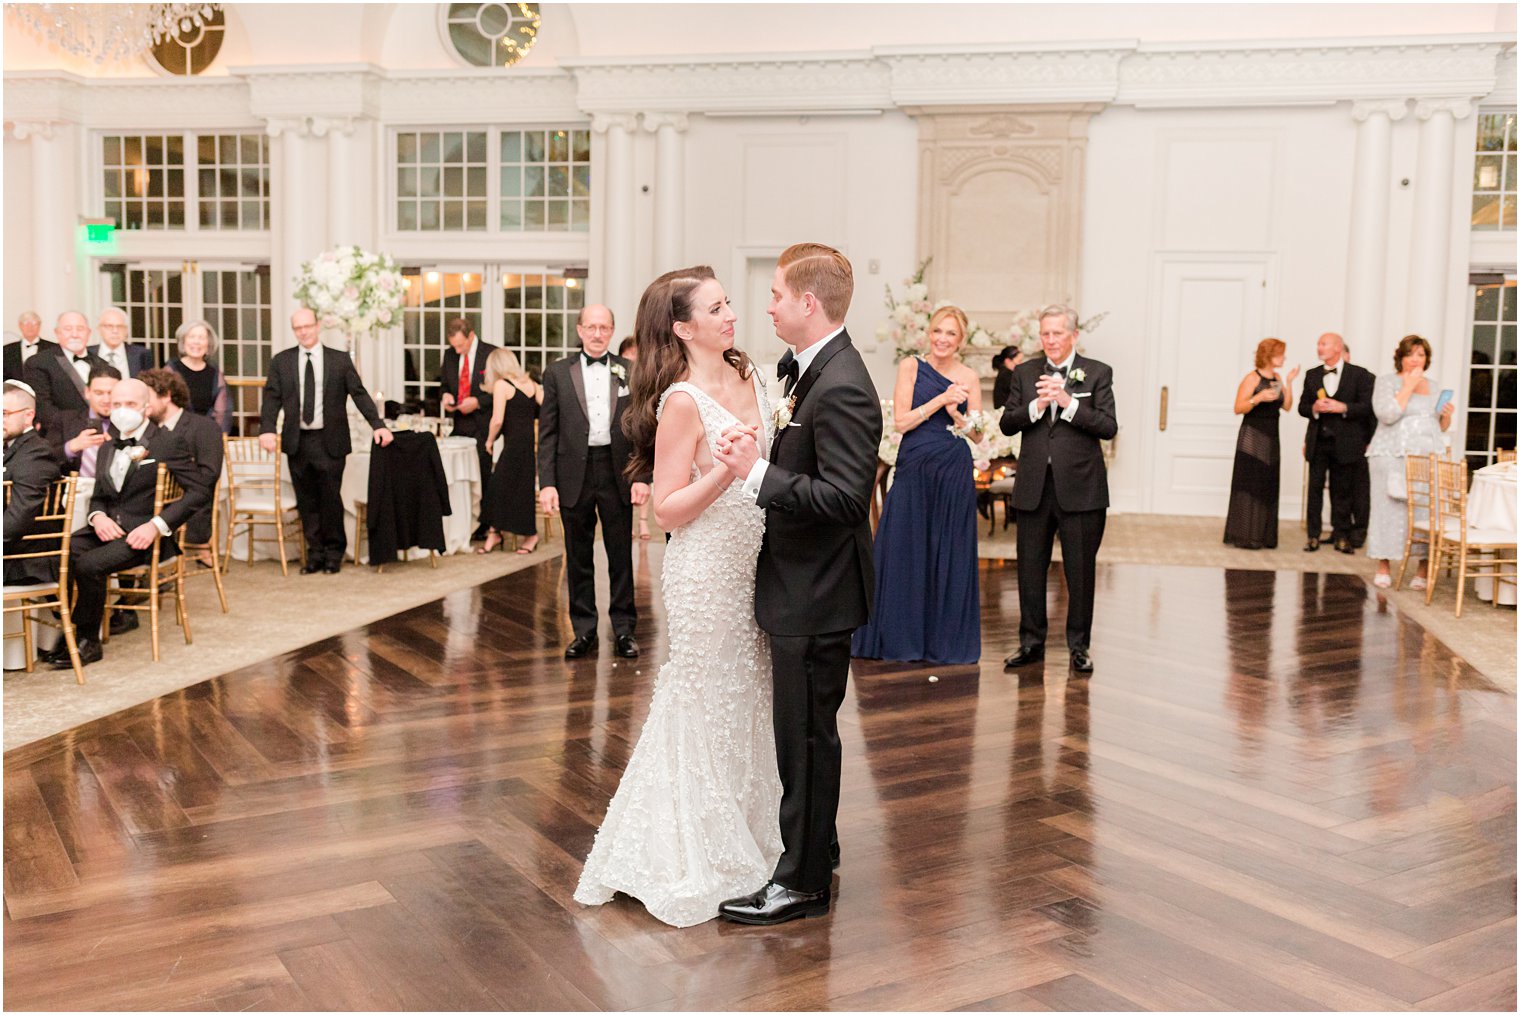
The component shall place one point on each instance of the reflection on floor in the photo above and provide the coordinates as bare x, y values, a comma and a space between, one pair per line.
1276, 792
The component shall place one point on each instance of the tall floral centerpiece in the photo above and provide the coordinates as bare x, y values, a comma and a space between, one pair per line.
907, 325
352, 290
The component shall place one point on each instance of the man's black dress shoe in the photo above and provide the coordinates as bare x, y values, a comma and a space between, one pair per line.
333, 567
775, 904
834, 855
580, 646
89, 652
625, 647
123, 621
57, 652
1081, 661
1312, 545
1343, 545
311, 567
1025, 656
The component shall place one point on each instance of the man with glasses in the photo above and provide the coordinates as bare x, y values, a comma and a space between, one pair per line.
129, 358
17, 354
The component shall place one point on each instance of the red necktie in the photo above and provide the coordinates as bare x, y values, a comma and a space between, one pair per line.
464, 378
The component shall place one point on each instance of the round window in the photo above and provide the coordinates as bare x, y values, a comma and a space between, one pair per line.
192, 47
491, 35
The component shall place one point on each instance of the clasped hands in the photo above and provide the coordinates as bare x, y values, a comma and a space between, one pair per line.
139, 538
738, 449
1051, 388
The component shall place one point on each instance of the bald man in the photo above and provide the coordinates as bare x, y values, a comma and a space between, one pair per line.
18, 353
60, 380
120, 526
1337, 402
129, 358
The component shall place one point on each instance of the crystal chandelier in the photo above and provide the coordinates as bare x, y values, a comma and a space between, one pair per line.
107, 33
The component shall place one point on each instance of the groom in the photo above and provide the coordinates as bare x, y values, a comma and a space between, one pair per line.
814, 578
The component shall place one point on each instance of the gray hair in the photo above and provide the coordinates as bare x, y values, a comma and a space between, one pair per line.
29, 315
1061, 310
116, 312
187, 327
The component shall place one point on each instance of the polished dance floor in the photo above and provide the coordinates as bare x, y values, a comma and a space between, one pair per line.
1276, 792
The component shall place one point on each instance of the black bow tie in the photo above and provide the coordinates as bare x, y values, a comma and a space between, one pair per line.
786, 367
1331, 370
1051, 368
124, 442
82, 359
589, 359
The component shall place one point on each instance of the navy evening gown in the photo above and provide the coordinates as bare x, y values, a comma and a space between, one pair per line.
928, 605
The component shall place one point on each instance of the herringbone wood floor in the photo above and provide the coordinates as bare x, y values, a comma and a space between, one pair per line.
1275, 793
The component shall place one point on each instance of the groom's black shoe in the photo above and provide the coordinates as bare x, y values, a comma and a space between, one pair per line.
1081, 661
1025, 656
625, 647
581, 646
775, 904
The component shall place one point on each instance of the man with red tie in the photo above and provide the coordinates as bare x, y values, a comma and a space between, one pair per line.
466, 396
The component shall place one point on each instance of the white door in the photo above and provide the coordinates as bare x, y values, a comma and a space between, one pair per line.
1208, 314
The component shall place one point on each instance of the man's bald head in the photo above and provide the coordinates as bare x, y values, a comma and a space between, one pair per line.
130, 394
1330, 349
304, 323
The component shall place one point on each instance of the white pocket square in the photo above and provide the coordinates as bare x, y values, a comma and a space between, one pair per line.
622, 392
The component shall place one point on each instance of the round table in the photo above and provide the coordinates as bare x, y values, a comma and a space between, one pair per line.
1492, 504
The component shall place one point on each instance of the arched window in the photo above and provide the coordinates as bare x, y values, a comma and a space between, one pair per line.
491, 35
192, 48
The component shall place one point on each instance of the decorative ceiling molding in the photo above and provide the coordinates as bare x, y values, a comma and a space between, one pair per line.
323, 93
766, 84
480, 95
961, 75
127, 102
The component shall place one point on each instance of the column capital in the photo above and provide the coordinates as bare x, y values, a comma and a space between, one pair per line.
603, 122
296, 126
677, 121
322, 126
1459, 108
1394, 109
22, 130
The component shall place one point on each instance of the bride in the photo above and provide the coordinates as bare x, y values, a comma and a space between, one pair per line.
695, 819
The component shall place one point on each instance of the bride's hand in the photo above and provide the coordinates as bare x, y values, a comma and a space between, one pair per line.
737, 451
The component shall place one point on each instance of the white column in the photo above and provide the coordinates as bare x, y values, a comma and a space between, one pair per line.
669, 188
342, 188
1367, 257
292, 212
52, 222
1430, 242
617, 286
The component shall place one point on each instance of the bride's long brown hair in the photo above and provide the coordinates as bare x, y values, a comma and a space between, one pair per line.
662, 357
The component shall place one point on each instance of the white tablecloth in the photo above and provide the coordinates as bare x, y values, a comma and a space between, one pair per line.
461, 468
1492, 504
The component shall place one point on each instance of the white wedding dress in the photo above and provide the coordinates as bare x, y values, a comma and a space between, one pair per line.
695, 819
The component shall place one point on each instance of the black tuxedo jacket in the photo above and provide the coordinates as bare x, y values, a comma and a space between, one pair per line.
815, 574
203, 440
1347, 433
30, 467
1070, 451
58, 385
564, 428
139, 358
132, 503
340, 382
468, 424
13, 367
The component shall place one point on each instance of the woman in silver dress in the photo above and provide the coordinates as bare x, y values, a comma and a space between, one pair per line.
1405, 406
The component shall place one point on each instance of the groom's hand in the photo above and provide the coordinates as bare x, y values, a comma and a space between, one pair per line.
638, 493
738, 452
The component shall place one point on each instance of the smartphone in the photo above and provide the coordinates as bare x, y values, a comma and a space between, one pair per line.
1445, 396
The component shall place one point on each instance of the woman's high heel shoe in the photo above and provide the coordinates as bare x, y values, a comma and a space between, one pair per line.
528, 549
490, 545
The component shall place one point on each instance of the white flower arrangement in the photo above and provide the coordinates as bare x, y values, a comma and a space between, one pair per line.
1077, 376
982, 435
619, 372
1024, 332
353, 290
907, 326
891, 441
782, 417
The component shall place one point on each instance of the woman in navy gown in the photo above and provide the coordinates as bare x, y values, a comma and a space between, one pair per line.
928, 606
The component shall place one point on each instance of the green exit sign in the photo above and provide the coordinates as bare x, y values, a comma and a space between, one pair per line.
99, 232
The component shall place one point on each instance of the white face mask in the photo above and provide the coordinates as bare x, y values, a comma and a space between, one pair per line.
126, 420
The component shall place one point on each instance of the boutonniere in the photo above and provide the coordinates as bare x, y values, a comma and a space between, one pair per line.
137, 453
1078, 375
620, 372
783, 414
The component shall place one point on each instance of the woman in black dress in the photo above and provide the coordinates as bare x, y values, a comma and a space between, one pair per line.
208, 391
510, 504
1251, 522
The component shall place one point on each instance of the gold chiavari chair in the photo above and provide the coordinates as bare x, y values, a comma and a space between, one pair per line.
50, 537
213, 546
1419, 481
1504, 455
1475, 553
254, 496
152, 578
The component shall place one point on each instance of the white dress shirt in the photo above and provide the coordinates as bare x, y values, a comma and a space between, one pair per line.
1071, 410
81, 366
29, 349
598, 381
120, 463
316, 357
172, 419
1331, 382
803, 359
117, 357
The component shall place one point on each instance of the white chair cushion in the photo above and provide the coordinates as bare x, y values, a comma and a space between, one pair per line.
260, 502
1451, 529
1000, 486
40, 589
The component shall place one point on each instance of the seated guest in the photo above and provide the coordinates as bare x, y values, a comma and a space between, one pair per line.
509, 504
196, 341
29, 467
121, 526
168, 400
127, 357
76, 437
59, 380
30, 343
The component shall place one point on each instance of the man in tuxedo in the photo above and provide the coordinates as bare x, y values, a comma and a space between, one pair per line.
313, 384
120, 525
466, 398
60, 380
168, 400
582, 452
128, 358
1337, 402
815, 578
76, 437
17, 354
1063, 404
30, 467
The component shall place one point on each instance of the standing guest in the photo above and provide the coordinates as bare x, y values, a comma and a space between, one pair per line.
1063, 404
76, 437
1405, 406
30, 467
120, 526
1337, 402
508, 504
17, 354
629, 350
168, 405
1251, 521
313, 384
582, 455
467, 394
196, 341
1002, 381
927, 602
129, 358
59, 380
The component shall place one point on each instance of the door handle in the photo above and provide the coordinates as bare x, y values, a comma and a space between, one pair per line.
1163, 407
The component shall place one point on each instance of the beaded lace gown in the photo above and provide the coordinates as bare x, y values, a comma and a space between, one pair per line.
695, 819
